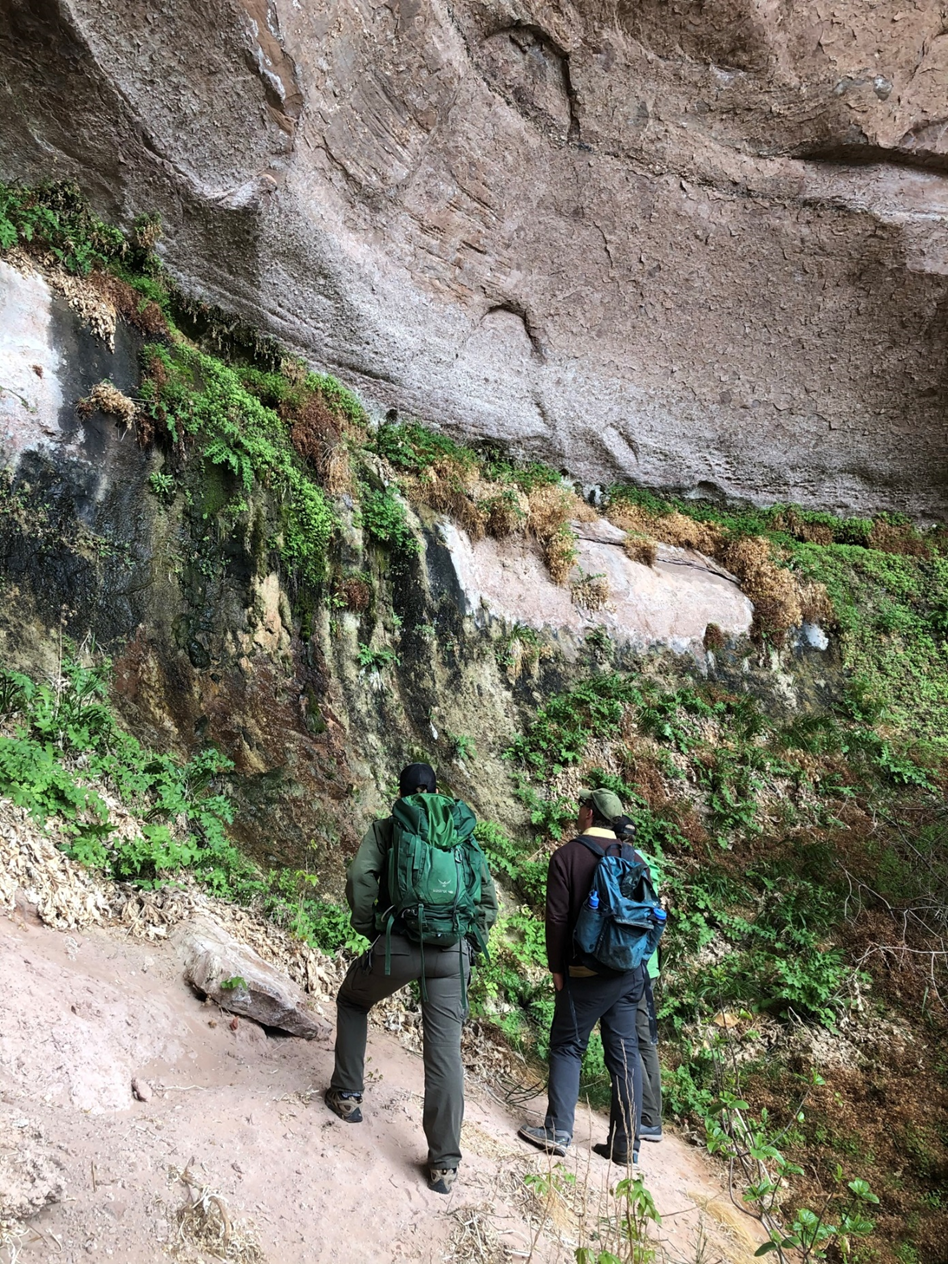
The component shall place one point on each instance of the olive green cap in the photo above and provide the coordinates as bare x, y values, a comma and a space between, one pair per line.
603, 802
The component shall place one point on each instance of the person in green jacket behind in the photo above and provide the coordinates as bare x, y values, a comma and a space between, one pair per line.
645, 1024
391, 962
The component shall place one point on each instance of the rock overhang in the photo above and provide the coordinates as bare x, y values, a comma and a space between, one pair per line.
708, 255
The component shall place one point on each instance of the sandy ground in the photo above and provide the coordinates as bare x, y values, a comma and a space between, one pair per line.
240, 1112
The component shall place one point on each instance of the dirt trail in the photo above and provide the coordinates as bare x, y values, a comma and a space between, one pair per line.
86, 1012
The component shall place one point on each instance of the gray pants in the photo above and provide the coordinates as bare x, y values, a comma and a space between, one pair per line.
442, 1015
651, 1071
611, 1002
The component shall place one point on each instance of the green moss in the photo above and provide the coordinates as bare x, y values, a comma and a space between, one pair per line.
890, 611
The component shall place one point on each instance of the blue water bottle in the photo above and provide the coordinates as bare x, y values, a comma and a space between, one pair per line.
659, 915
593, 901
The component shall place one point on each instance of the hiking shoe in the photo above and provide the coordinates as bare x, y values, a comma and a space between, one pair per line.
648, 1133
546, 1139
348, 1106
621, 1158
440, 1179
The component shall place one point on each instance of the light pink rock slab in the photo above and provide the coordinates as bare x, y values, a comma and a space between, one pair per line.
669, 604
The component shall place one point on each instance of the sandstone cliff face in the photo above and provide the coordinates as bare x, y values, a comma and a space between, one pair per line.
701, 245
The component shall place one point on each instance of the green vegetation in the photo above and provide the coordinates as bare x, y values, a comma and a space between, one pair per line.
54, 218
804, 856
413, 448
62, 742
61, 748
780, 844
383, 517
189, 393
262, 427
376, 660
462, 746
887, 584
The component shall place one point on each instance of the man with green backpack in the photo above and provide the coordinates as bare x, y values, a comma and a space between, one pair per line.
419, 887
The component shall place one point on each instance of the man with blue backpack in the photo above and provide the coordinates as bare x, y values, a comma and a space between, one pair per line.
603, 923
419, 887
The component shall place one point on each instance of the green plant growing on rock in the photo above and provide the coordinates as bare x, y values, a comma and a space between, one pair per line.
753, 1148
462, 746
55, 219
190, 393
65, 740
162, 485
383, 518
377, 660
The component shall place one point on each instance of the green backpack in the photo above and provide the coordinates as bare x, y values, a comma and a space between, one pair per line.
434, 874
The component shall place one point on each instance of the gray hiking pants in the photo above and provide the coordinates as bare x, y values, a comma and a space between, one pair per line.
612, 1002
651, 1071
442, 1016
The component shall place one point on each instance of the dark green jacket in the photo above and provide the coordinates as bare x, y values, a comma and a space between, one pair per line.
367, 883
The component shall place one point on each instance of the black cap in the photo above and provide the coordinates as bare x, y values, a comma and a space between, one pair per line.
417, 777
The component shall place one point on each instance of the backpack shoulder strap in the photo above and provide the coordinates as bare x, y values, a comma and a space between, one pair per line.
593, 846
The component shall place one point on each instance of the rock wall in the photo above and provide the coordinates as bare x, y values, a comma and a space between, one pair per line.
317, 700
702, 245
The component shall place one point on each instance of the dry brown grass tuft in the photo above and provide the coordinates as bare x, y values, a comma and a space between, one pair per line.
713, 637
319, 438
550, 508
550, 511
642, 772
313, 428
640, 548
144, 314
337, 470
590, 592
811, 532
85, 300
772, 589
354, 593
559, 553
450, 487
816, 605
630, 518
891, 539
506, 512
781, 601
204, 1223
677, 529
106, 398
674, 528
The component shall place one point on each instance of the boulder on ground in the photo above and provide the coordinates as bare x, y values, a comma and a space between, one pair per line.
237, 979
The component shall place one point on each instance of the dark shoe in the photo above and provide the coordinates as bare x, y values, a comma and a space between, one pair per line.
546, 1139
650, 1134
346, 1105
620, 1157
440, 1179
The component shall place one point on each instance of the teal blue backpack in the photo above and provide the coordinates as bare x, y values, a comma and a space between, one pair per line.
434, 875
622, 920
